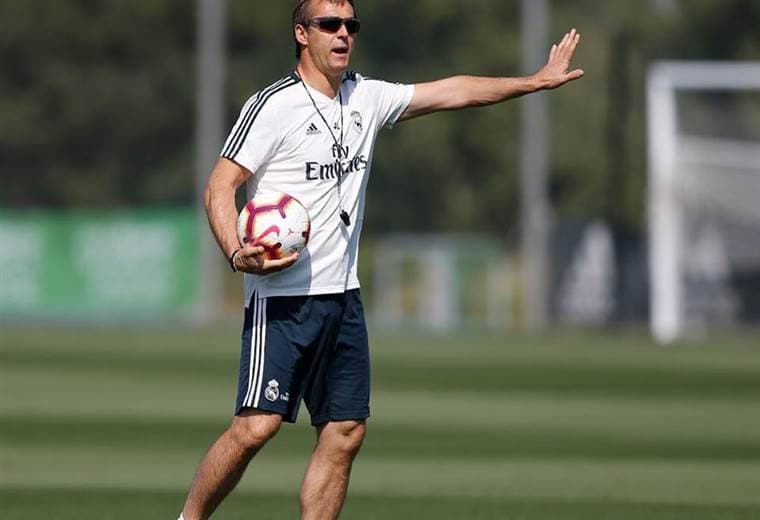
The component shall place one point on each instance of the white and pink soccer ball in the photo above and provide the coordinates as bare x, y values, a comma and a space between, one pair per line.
275, 221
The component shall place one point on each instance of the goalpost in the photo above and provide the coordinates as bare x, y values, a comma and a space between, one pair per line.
704, 194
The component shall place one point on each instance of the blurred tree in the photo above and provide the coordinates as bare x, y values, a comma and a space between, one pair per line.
96, 104
96, 100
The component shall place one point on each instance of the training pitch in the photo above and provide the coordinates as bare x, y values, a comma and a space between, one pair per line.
110, 424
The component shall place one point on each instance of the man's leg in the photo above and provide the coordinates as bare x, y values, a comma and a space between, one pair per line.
226, 461
324, 487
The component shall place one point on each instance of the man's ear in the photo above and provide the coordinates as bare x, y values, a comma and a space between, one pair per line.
300, 34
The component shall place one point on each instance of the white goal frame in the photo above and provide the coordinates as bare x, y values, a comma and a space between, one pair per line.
665, 78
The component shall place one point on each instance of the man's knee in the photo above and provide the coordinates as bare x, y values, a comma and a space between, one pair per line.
345, 437
253, 428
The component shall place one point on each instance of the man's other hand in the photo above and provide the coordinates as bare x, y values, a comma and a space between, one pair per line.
253, 260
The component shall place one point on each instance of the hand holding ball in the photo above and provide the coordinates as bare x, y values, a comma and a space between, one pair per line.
275, 221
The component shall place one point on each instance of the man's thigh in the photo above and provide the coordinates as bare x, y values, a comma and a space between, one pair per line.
286, 344
341, 391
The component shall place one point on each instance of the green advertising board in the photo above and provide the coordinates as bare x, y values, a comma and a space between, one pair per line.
93, 265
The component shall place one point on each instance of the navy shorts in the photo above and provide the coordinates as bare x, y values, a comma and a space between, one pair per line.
313, 348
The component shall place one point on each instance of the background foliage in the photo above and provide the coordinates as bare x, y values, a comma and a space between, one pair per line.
96, 100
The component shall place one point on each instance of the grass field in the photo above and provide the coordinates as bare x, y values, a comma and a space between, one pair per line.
110, 424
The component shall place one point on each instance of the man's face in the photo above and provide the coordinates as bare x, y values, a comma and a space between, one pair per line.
331, 52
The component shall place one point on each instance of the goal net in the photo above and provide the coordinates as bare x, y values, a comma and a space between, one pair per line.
704, 196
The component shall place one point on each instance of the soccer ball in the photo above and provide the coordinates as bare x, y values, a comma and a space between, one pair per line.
275, 221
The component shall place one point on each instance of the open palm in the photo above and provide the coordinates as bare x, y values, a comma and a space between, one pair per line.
557, 71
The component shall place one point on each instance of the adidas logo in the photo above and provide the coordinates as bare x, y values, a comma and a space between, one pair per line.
313, 130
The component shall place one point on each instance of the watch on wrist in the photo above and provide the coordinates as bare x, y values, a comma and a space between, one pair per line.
232, 259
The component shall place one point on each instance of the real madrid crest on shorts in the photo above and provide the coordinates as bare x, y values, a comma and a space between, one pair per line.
273, 390
356, 122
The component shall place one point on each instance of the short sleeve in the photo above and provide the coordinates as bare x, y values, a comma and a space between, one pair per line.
393, 99
254, 137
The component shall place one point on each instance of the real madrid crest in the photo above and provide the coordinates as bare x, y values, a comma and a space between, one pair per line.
356, 122
273, 390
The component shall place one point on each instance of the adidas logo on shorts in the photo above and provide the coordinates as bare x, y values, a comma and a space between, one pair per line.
313, 130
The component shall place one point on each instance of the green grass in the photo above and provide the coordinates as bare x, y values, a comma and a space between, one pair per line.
110, 424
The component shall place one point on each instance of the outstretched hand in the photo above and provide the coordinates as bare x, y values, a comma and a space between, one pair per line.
556, 71
253, 260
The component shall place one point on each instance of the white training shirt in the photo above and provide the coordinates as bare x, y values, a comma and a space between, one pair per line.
281, 138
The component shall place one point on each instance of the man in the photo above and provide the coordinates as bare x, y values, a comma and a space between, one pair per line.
311, 135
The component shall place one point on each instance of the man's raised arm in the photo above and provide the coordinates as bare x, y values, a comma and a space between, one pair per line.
471, 91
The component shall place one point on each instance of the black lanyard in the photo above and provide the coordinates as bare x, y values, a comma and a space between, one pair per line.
338, 144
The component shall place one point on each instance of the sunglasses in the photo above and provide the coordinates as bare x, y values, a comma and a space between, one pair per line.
332, 24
